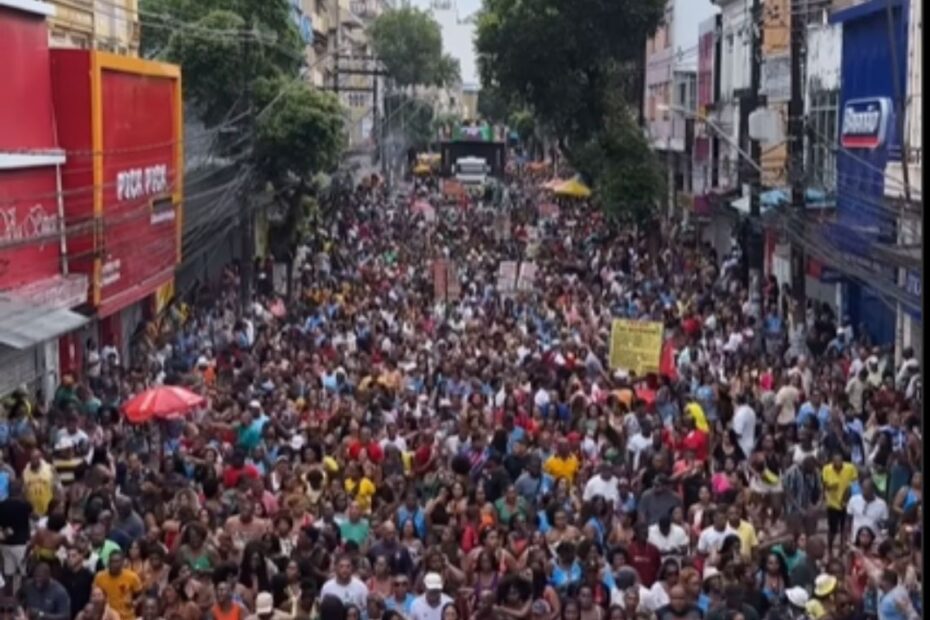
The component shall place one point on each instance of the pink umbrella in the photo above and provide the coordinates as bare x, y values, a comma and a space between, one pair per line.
166, 402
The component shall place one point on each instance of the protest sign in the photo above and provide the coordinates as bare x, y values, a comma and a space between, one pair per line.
635, 346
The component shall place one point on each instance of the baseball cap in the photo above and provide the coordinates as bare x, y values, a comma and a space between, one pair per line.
264, 604
432, 582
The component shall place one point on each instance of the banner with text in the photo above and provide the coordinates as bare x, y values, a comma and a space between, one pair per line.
636, 346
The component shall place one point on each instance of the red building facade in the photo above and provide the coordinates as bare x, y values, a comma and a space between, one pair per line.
91, 186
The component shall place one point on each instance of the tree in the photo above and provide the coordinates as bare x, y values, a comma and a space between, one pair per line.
409, 43
565, 59
620, 165
303, 133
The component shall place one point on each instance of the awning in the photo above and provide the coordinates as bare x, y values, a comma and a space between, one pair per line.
814, 199
24, 325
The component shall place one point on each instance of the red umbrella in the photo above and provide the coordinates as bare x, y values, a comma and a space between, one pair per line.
166, 402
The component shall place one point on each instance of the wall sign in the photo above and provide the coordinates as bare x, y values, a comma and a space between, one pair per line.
865, 123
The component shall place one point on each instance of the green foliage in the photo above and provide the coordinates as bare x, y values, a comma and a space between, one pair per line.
409, 42
565, 59
524, 123
494, 105
559, 55
626, 173
213, 65
240, 62
301, 134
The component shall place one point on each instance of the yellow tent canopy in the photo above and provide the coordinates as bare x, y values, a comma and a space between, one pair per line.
422, 169
573, 188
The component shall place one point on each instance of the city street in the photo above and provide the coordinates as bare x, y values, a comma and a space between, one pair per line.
331, 310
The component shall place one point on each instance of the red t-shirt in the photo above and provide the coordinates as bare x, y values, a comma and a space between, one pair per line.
697, 441
374, 451
645, 560
231, 476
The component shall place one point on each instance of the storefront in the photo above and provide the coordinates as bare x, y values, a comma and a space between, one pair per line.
125, 113
869, 140
37, 291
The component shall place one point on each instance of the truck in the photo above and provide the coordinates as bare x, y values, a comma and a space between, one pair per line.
494, 155
471, 172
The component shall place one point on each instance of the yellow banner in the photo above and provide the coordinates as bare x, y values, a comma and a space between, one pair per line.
636, 346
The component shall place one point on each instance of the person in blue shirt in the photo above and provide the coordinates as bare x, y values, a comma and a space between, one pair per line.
400, 599
814, 408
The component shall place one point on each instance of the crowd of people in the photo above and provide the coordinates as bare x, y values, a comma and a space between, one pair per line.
378, 447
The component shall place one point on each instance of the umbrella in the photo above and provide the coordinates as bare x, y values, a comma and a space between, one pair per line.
573, 188
166, 402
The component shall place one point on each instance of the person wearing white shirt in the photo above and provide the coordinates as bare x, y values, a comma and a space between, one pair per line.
866, 509
712, 537
429, 606
629, 588
347, 588
744, 425
603, 484
669, 538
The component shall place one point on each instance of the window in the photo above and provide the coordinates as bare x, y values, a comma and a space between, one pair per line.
822, 139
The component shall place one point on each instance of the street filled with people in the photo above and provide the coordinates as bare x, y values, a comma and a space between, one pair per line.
375, 445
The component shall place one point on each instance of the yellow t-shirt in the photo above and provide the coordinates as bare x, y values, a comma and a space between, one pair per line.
363, 490
747, 538
559, 468
39, 487
120, 591
836, 483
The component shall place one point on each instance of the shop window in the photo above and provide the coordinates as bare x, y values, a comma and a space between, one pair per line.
823, 121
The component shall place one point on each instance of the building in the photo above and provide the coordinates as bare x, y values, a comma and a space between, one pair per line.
670, 98
470, 94
321, 15
110, 25
872, 90
91, 182
909, 253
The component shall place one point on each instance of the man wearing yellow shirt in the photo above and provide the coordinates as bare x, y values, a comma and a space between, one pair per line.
563, 464
838, 477
744, 529
120, 585
39, 483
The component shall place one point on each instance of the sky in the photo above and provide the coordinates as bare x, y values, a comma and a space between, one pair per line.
457, 38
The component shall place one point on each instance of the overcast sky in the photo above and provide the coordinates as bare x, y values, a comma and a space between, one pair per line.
457, 38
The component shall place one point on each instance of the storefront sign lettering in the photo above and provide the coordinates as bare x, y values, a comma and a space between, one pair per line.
865, 123
36, 224
139, 182
110, 273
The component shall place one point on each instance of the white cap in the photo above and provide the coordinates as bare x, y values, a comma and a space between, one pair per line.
797, 596
710, 572
254, 404
264, 603
297, 442
203, 361
432, 581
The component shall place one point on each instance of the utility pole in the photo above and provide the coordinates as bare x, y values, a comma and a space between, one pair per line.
754, 241
246, 215
796, 164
